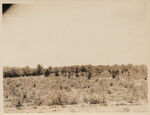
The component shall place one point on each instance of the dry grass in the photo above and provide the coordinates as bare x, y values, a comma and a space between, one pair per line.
61, 91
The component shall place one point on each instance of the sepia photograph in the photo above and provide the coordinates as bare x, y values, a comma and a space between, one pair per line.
75, 56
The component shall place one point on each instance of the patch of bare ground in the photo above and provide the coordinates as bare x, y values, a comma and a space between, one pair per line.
77, 108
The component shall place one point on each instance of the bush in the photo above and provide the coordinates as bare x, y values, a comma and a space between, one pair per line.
56, 73
47, 72
105, 74
58, 99
89, 75
40, 69
18, 104
77, 75
94, 101
105, 70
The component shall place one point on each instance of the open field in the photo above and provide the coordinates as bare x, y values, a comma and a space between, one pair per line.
61, 93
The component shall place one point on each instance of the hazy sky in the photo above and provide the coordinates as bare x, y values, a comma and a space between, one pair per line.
80, 32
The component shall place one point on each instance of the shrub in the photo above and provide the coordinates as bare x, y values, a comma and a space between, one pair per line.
105, 74
18, 104
89, 75
39, 69
94, 101
77, 75
58, 99
38, 101
47, 72
56, 73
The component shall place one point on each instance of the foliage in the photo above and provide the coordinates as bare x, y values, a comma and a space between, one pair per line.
39, 70
42, 91
83, 70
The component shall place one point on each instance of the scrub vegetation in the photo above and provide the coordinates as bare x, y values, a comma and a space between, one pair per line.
103, 85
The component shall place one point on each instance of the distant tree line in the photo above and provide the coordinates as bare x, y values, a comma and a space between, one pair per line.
77, 70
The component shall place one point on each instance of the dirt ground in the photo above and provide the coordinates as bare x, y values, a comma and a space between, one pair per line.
77, 108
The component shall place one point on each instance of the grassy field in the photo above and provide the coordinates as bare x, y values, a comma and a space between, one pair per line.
75, 93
